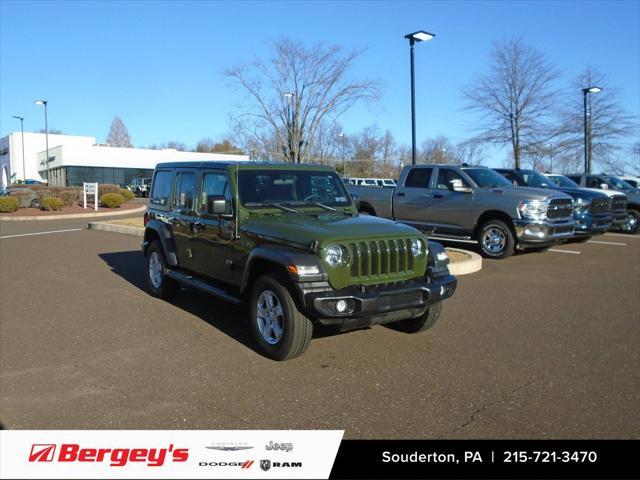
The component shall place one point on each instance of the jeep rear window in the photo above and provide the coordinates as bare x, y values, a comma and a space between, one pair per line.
161, 188
291, 187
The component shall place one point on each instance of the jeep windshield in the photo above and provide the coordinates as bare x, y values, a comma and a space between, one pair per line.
487, 178
289, 188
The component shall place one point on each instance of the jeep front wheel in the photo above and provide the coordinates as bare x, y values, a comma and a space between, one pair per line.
421, 323
496, 240
159, 285
280, 329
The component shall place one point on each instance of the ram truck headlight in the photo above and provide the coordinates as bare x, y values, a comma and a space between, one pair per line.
335, 255
533, 209
581, 206
417, 247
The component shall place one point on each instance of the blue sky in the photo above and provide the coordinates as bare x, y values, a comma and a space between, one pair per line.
158, 64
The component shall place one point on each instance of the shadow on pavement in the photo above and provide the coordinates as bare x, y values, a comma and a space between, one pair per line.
228, 318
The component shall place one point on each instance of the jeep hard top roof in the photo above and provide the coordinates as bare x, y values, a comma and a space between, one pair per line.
244, 165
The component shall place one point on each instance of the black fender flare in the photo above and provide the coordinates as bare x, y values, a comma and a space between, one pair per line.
284, 256
166, 240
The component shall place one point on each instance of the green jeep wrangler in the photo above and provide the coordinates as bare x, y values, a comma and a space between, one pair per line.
288, 240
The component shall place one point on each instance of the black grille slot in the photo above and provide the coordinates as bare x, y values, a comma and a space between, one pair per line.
560, 208
618, 203
599, 205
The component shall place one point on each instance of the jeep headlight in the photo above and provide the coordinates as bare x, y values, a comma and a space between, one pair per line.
533, 209
417, 247
335, 255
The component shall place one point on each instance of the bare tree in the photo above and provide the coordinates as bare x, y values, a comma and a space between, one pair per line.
437, 150
611, 125
514, 98
225, 145
469, 152
118, 134
289, 95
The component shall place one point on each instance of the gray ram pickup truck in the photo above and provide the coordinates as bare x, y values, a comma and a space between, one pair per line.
472, 203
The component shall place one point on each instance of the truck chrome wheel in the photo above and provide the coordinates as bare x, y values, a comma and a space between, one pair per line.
155, 269
630, 224
494, 240
270, 317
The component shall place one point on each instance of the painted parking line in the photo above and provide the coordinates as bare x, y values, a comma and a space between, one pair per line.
627, 236
608, 243
42, 233
572, 252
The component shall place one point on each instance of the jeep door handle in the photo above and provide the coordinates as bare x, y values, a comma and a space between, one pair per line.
400, 194
437, 195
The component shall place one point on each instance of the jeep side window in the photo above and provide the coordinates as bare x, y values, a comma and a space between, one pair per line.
161, 192
214, 186
445, 176
418, 178
186, 187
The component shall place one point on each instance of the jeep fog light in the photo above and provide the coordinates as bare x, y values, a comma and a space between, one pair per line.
341, 306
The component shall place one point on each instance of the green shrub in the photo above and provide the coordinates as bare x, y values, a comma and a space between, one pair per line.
111, 200
127, 194
42, 193
8, 204
70, 197
105, 188
52, 203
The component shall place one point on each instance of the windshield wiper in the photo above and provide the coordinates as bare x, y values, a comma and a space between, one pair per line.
323, 206
280, 206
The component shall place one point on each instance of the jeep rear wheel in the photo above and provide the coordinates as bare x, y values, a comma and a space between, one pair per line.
496, 240
419, 324
159, 285
280, 329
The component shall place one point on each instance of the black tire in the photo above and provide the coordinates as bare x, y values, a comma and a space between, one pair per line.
35, 203
631, 225
502, 246
166, 287
419, 324
296, 329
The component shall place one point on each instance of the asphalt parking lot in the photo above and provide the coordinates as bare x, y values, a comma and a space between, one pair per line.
542, 345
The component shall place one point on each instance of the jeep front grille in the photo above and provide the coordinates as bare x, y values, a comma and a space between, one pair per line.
380, 258
560, 208
599, 205
618, 203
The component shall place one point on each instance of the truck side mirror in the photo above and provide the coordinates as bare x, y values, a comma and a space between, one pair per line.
456, 185
603, 186
216, 204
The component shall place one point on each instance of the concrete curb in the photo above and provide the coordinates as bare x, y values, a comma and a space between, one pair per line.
76, 215
111, 227
474, 264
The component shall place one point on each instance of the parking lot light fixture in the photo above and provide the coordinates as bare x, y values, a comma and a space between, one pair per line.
419, 36
46, 135
24, 171
586, 99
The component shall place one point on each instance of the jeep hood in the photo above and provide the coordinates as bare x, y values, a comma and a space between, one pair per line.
303, 228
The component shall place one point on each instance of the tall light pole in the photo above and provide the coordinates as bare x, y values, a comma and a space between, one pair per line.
24, 171
46, 136
419, 36
587, 126
550, 147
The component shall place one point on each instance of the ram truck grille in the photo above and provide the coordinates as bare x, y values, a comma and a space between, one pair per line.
560, 208
382, 258
600, 205
618, 203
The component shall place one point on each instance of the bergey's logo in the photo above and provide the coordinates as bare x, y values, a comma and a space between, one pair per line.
284, 447
42, 452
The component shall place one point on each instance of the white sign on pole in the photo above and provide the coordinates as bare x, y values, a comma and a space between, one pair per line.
90, 189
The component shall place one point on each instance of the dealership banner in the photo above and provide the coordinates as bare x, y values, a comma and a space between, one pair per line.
155, 454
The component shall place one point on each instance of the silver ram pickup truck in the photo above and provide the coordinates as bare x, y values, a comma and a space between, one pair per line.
472, 203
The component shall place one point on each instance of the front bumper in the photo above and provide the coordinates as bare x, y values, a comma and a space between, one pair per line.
540, 233
369, 305
588, 224
619, 218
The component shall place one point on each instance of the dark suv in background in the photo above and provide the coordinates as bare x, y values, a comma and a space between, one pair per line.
591, 210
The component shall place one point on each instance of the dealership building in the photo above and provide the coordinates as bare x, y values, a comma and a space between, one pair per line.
77, 159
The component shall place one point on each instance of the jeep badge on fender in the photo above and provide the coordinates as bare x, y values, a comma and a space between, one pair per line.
288, 242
